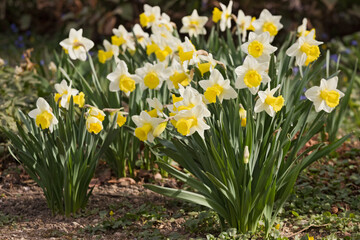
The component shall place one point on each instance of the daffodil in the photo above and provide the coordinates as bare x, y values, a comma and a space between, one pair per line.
95, 112
152, 75
93, 124
162, 44
325, 97
305, 49
76, 45
43, 115
147, 127
207, 63
242, 115
178, 74
302, 29
243, 23
225, 20
194, 24
190, 121
251, 74
110, 51
246, 154
259, 47
157, 107
267, 23
149, 16
164, 22
217, 87
64, 93
121, 79
141, 37
123, 38
120, 118
187, 52
52, 67
267, 102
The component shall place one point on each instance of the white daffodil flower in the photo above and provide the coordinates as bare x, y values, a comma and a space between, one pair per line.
194, 24
93, 125
150, 16
251, 74
43, 115
259, 46
217, 87
267, 102
207, 63
178, 74
157, 107
243, 22
76, 45
147, 127
64, 93
267, 23
305, 49
123, 38
152, 76
164, 21
110, 51
302, 29
121, 79
187, 53
95, 112
225, 21
188, 122
141, 36
325, 97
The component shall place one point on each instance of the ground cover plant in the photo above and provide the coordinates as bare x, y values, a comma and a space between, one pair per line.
230, 113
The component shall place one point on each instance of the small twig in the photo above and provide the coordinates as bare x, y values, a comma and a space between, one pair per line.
302, 230
9, 193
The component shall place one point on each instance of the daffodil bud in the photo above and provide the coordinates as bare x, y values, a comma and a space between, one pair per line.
246, 155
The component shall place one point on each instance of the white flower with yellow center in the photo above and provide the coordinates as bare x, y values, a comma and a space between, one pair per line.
43, 115
194, 24
267, 23
217, 87
302, 29
157, 107
178, 74
187, 52
121, 79
110, 51
164, 21
152, 75
93, 124
147, 127
123, 38
207, 63
64, 93
76, 45
259, 47
120, 119
162, 44
305, 49
267, 102
95, 112
251, 74
243, 22
150, 16
190, 98
225, 20
325, 97
190, 121
141, 36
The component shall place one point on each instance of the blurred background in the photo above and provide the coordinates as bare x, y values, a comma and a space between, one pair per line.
43, 23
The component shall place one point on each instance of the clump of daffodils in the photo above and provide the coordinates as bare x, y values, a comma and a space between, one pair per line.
174, 62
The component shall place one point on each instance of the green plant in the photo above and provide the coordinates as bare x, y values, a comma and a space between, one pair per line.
61, 162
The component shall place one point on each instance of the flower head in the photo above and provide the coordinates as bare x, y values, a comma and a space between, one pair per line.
217, 87
64, 93
243, 23
267, 102
123, 38
150, 16
110, 51
43, 115
225, 20
325, 97
190, 121
93, 124
147, 127
251, 74
121, 79
194, 24
152, 75
95, 112
267, 23
259, 47
76, 45
178, 74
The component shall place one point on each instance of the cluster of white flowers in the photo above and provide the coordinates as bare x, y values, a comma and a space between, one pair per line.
175, 64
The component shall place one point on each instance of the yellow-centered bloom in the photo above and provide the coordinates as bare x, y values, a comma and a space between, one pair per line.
267, 102
267, 23
152, 75
150, 15
76, 45
147, 127
95, 112
93, 125
259, 46
121, 79
194, 24
325, 97
43, 115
